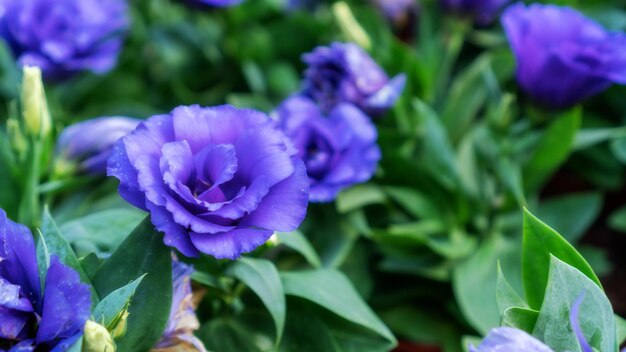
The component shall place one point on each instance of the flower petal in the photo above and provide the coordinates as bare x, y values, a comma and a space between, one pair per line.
230, 245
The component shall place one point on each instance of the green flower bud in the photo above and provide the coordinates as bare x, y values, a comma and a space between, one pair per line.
96, 338
349, 25
34, 105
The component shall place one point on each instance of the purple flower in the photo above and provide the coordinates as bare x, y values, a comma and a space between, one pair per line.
30, 320
483, 11
510, 340
344, 73
339, 150
182, 322
64, 36
562, 56
216, 180
88, 144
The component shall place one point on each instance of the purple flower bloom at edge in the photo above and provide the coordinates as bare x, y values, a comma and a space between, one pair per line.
216, 180
63, 37
562, 56
31, 321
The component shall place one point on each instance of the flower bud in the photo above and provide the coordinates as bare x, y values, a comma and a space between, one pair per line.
96, 338
34, 106
349, 25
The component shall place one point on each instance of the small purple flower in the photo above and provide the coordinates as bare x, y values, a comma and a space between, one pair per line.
562, 56
339, 150
88, 144
64, 36
483, 11
29, 320
182, 322
216, 180
345, 73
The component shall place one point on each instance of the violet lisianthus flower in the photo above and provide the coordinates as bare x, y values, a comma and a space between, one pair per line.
182, 322
30, 320
338, 149
562, 56
345, 73
482, 11
87, 145
515, 340
64, 36
216, 180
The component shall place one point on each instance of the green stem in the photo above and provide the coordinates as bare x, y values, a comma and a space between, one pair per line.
29, 207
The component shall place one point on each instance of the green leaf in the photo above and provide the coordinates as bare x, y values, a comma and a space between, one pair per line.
597, 322
553, 148
296, 241
102, 231
56, 245
311, 328
572, 214
621, 329
111, 306
261, 276
617, 220
540, 242
438, 152
342, 299
506, 296
359, 196
227, 335
521, 318
475, 281
143, 252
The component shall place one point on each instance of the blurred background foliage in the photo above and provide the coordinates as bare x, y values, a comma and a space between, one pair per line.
463, 152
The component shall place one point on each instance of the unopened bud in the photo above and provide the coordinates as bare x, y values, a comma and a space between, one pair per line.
349, 25
96, 338
34, 105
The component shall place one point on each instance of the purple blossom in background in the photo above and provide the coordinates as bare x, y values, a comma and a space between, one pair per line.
398, 12
88, 144
216, 180
49, 322
182, 321
339, 150
345, 73
483, 11
562, 56
64, 36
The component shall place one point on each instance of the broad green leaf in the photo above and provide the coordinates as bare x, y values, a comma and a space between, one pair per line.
102, 231
111, 306
43, 258
553, 148
227, 335
142, 252
359, 196
416, 203
296, 241
333, 291
311, 328
540, 242
475, 280
56, 245
618, 147
572, 214
261, 276
621, 329
597, 322
506, 296
521, 318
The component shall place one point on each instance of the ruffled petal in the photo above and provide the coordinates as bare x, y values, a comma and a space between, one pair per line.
230, 245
